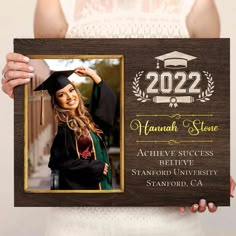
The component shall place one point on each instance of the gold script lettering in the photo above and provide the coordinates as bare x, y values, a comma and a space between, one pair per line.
146, 129
195, 127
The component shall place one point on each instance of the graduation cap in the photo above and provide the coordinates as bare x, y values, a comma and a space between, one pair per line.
175, 60
56, 81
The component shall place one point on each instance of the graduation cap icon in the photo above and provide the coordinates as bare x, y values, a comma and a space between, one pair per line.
55, 81
175, 60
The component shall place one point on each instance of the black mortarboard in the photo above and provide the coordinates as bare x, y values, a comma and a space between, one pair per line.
55, 81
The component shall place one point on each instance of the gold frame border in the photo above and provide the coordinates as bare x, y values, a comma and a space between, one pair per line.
26, 145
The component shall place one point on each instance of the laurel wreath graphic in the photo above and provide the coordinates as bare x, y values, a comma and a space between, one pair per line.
204, 96
141, 95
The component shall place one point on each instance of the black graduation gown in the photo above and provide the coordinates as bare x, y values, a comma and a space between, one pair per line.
76, 173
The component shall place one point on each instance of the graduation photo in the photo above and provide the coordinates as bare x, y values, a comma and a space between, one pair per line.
73, 126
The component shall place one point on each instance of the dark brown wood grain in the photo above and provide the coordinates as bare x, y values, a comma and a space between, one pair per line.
139, 55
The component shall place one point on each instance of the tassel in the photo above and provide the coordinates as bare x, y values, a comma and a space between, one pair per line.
42, 109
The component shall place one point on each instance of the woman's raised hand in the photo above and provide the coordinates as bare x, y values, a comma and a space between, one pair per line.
82, 71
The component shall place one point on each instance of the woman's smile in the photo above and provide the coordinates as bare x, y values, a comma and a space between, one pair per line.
71, 103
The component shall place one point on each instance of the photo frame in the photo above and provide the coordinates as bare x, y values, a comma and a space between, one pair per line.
174, 116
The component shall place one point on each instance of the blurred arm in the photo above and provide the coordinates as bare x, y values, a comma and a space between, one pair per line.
49, 20
203, 20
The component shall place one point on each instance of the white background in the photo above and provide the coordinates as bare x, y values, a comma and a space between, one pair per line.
16, 22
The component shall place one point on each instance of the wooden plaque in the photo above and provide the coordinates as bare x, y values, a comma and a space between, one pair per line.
174, 122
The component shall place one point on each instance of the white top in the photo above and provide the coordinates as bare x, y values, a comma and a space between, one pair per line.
122, 221
126, 19
130, 19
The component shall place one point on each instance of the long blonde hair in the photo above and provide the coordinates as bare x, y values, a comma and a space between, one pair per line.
80, 121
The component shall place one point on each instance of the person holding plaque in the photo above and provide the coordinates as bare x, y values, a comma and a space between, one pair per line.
123, 19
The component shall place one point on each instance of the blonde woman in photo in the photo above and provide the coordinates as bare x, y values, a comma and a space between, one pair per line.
78, 152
